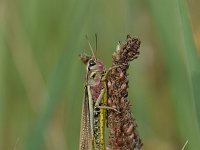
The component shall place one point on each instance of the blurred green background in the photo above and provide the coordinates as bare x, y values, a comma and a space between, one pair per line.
41, 76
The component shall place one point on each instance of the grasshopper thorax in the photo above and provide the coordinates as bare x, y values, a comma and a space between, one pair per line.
95, 70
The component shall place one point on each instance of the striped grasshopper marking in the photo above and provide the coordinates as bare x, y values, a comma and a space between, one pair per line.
92, 132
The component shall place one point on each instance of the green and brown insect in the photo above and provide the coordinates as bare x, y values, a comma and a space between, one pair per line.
92, 132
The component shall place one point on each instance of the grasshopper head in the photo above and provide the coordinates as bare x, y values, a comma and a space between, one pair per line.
95, 68
95, 65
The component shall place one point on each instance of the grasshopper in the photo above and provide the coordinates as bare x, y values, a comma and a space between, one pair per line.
92, 132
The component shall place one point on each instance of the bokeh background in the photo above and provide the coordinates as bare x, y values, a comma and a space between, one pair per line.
41, 76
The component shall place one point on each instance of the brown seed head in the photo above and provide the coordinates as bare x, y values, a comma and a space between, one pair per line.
123, 133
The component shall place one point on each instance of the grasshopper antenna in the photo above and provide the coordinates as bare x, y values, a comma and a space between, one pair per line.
90, 46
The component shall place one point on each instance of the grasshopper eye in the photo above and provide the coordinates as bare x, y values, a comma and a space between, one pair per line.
92, 63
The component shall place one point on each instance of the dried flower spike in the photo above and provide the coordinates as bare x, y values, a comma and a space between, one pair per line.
122, 126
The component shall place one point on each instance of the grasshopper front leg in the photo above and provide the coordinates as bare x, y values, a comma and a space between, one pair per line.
99, 99
97, 104
103, 90
108, 71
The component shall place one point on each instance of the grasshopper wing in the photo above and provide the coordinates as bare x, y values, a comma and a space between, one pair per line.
85, 130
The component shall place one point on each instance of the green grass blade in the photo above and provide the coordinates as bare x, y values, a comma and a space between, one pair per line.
166, 19
2, 85
57, 82
191, 56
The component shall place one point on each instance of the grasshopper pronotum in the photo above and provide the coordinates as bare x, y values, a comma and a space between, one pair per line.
95, 103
